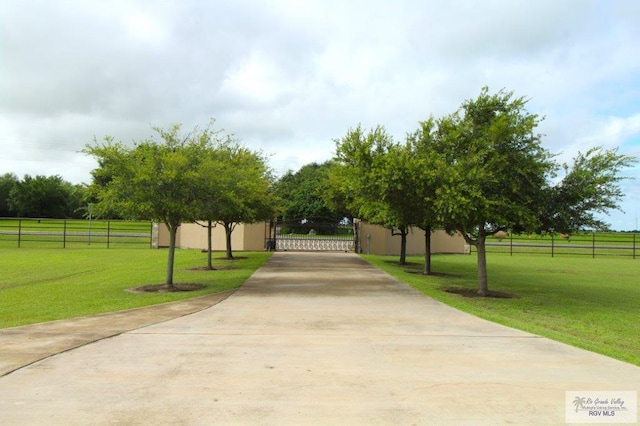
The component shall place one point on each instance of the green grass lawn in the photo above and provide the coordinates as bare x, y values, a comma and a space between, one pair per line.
40, 284
590, 303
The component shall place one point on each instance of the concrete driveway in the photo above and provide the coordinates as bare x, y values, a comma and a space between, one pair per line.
312, 339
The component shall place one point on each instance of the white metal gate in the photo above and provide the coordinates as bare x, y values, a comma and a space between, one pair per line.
311, 235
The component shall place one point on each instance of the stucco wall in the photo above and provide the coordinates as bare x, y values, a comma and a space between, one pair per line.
163, 236
250, 237
245, 237
441, 242
253, 238
192, 236
381, 241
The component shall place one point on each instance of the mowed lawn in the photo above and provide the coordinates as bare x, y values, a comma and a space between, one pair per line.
39, 284
590, 303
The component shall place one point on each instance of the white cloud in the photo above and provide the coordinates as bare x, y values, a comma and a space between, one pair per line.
613, 131
290, 76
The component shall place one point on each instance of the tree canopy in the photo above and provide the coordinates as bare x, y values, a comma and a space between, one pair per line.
200, 175
477, 171
248, 194
388, 183
373, 175
495, 170
42, 196
7, 182
152, 181
302, 193
589, 187
426, 178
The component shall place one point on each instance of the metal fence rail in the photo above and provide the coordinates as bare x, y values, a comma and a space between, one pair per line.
586, 244
27, 232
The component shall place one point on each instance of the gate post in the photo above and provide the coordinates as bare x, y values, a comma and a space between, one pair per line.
270, 240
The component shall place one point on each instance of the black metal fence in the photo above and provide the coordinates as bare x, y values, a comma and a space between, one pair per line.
593, 244
65, 233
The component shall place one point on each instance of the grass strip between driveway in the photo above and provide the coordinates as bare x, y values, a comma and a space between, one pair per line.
589, 303
40, 284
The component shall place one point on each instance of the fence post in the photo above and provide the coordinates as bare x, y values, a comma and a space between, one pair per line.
64, 235
634, 245
593, 245
552, 244
511, 243
89, 236
20, 232
108, 233
151, 234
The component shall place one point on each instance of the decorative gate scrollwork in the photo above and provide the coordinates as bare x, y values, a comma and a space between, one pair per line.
311, 235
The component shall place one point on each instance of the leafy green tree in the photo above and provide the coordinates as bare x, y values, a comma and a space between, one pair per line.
495, 170
214, 171
7, 182
43, 196
157, 181
425, 171
372, 175
302, 193
238, 189
478, 171
77, 201
590, 186
248, 195
394, 190
100, 178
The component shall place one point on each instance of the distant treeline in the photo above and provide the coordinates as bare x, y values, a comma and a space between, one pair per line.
42, 197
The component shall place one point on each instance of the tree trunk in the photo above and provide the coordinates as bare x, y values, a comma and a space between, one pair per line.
168, 282
209, 246
403, 246
483, 286
427, 251
228, 228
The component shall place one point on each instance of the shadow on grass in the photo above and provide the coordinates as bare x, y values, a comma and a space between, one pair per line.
215, 268
162, 288
433, 273
225, 257
473, 293
409, 264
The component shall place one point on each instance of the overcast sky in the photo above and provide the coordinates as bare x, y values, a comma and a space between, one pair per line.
290, 77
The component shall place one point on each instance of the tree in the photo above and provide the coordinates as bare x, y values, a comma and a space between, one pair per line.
372, 178
238, 189
77, 201
589, 187
7, 182
495, 170
217, 171
302, 193
100, 178
157, 181
248, 195
44, 196
209, 201
395, 190
426, 169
